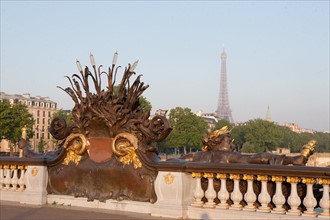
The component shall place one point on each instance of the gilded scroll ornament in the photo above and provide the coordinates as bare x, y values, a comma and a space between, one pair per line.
234, 176
169, 178
76, 145
208, 175
13, 167
324, 181
20, 167
262, 178
124, 146
278, 178
196, 174
308, 180
248, 177
221, 176
291, 179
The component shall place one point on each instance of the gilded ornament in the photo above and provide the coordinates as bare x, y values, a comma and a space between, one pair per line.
262, 178
124, 146
76, 145
20, 167
324, 181
208, 175
308, 149
278, 178
234, 176
169, 178
13, 166
291, 179
5, 166
34, 171
221, 176
308, 180
248, 177
198, 175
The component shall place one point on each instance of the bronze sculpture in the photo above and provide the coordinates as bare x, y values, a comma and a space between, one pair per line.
219, 148
101, 151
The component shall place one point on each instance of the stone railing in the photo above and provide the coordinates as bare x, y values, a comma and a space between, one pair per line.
288, 190
23, 180
194, 190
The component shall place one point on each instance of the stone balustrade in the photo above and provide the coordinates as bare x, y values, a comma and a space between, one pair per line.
23, 180
194, 190
12, 177
255, 193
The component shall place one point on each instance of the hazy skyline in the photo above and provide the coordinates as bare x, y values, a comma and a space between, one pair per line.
277, 52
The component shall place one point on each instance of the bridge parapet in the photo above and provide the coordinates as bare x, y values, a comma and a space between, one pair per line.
23, 180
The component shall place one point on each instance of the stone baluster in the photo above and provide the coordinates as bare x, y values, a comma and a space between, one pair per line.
309, 200
210, 193
293, 200
21, 180
7, 174
198, 193
264, 197
278, 198
250, 197
223, 194
14, 179
1, 176
236, 195
325, 202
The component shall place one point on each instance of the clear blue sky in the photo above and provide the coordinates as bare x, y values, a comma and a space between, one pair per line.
278, 52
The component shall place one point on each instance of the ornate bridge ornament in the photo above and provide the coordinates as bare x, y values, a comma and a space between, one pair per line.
169, 178
124, 146
76, 145
102, 151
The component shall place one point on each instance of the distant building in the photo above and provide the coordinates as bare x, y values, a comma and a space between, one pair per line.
42, 110
162, 112
268, 118
210, 118
295, 128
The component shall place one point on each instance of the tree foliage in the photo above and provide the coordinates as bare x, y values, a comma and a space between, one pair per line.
145, 104
260, 136
221, 123
188, 129
67, 115
12, 119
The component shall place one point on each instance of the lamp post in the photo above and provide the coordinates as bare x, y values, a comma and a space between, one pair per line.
24, 136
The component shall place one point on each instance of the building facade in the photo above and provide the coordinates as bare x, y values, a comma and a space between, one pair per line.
42, 110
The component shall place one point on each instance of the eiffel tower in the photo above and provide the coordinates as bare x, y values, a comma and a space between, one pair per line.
223, 111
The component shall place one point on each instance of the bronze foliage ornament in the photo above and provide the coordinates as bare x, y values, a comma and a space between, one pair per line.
100, 156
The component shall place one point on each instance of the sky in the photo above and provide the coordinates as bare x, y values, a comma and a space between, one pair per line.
277, 52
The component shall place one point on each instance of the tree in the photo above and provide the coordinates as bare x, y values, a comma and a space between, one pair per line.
262, 134
145, 104
221, 123
41, 145
12, 119
238, 135
323, 142
67, 115
188, 129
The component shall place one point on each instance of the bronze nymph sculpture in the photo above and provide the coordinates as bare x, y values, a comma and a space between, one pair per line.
219, 148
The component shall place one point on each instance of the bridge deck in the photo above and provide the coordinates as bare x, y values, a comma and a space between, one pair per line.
17, 211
